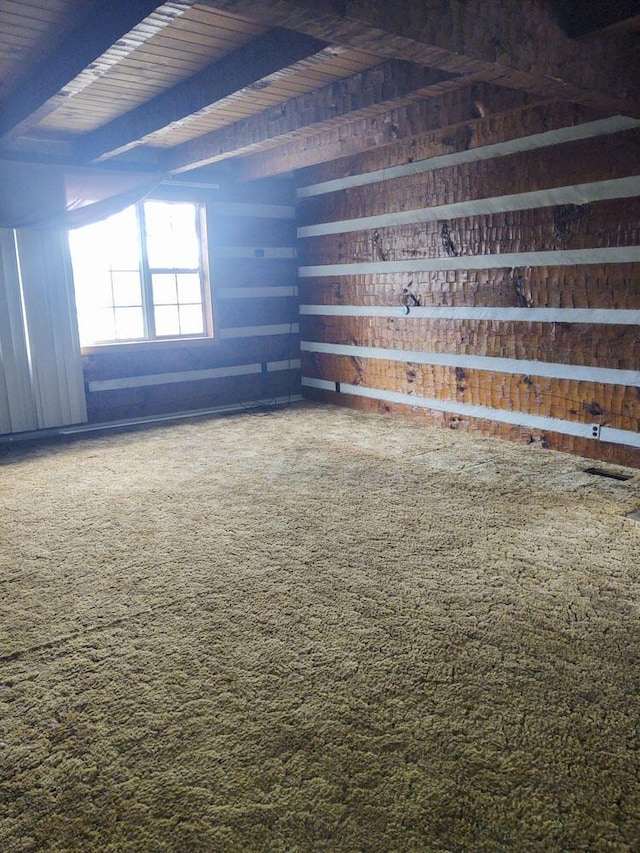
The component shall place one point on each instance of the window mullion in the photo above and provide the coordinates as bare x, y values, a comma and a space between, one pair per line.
147, 287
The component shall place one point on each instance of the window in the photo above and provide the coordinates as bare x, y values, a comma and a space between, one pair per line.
140, 276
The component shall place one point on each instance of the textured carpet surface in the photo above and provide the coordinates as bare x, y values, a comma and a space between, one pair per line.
316, 630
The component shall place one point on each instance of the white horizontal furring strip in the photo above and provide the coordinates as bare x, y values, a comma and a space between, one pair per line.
495, 364
560, 258
255, 292
322, 384
578, 194
617, 436
487, 152
254, 252
286, 364
262, 211
525, 315
169, 378
259, 331
189, 375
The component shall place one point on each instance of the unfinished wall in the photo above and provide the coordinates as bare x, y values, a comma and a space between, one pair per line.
254, 355
485, 277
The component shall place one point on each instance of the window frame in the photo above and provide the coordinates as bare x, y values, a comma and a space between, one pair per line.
209, 335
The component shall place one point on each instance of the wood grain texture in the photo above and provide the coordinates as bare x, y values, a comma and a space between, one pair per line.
431, 135
593, 286
600, 224
600, 450
612, 346
609, 405
102, 36
493, 40
370, 92
604, 158
262, 59
453, 118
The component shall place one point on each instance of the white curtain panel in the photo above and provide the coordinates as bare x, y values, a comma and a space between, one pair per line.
41, 380
35, 195
17, 405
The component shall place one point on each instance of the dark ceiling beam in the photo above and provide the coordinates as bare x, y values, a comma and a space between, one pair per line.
370, 92
490, 39
253, 66
584, 17
464, 109
108, 31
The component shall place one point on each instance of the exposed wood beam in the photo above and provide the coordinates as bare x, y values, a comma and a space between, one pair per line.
107, 32
589, 16
369, 92
492, 39
262, 61
447, 122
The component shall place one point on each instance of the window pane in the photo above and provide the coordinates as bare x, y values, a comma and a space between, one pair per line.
164, 288
167, 320
189, 287
119, 296
98, 325
121, 240
94, 290
191, 320
96, 251
171, 234
129, 323
112, 243
99, 292
126, 288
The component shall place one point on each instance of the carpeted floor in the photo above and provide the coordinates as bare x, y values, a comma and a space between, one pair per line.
316, 630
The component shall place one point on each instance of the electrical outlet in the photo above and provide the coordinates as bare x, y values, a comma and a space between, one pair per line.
595, 430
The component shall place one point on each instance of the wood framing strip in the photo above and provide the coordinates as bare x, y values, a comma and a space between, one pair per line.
416, 139
601, 450
184, 396
525, 419
564, 225
583, 402
579, 163
590, 316
592, 286
260, 331
471, 361
614, 346
122, 361
140, 381
559, 257
544, 139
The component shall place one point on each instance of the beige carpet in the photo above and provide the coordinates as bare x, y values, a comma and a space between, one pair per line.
316, 630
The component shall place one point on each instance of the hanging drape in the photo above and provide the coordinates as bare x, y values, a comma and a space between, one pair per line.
35, 195
41, 380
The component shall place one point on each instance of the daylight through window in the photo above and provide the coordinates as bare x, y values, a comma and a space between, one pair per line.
139, 275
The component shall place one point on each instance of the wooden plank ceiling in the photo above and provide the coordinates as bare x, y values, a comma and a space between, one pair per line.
182, 84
